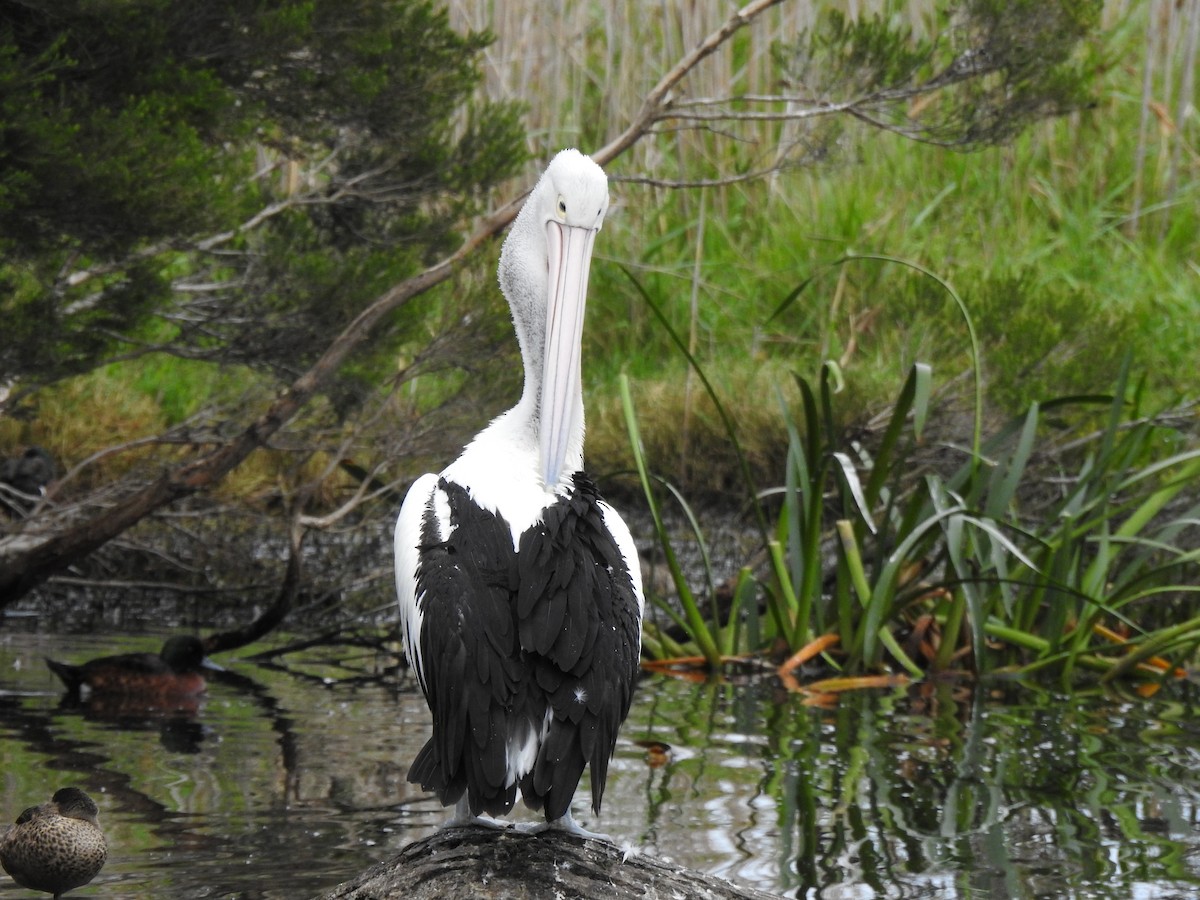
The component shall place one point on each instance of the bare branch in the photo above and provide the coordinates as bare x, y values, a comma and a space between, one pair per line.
788, 115
670, 184
706, 112
661, 98
25, 567
207, 244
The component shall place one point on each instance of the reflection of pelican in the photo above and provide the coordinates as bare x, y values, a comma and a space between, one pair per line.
520, 595
56, 846
155, 678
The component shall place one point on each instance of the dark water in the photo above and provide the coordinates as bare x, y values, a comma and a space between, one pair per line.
285, 781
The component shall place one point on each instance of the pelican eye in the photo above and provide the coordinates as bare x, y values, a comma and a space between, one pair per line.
562, 208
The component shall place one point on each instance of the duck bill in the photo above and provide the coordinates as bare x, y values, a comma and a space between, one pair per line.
561, 411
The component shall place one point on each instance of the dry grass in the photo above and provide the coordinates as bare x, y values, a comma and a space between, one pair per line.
583, 69
77, 416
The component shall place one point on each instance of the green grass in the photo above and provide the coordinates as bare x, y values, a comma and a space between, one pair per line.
1034, 244
1035, 237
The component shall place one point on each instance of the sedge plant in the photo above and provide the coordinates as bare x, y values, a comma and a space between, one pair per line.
1026, 557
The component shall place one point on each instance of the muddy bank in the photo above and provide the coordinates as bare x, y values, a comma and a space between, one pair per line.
226, 568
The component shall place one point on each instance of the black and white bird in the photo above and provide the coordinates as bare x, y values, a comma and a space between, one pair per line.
519, 588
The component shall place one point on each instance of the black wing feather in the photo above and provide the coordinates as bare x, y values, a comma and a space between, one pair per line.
470, 653
587, 657
507, 636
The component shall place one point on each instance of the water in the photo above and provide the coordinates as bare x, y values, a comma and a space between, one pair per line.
284, 781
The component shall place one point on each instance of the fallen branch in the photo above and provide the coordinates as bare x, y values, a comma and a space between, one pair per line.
473, 862
25, 567
277, 611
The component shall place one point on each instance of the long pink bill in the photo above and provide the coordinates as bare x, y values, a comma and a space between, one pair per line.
570, 257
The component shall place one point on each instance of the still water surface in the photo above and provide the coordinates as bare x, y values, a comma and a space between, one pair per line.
285, 780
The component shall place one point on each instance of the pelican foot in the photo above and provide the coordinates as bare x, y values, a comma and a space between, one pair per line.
462, 817
567, 824
481, 821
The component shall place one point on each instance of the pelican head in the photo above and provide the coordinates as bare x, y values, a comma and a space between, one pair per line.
543, 274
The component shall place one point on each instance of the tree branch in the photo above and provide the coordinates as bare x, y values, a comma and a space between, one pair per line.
660, 99
24, 567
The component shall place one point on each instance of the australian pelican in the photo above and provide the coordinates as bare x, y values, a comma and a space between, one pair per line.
519, 587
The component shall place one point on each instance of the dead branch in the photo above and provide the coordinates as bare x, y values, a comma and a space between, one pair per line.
277, 611
24, 567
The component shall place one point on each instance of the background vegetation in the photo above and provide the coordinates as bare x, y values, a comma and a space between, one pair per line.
1064, 241
1072, 244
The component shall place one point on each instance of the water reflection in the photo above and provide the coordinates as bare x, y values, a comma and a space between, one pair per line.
286, 779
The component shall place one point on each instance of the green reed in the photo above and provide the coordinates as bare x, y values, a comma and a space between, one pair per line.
1043, 547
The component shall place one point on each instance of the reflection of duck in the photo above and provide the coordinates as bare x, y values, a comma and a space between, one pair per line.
172, 674
24, 478
56, 846
174, 718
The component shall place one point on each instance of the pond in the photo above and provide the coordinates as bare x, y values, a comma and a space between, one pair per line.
288, 779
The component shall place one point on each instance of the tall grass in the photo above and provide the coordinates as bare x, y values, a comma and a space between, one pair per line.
907, 561
1041, 237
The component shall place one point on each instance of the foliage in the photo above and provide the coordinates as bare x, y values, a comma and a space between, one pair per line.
996, 67
1037, 234
927, 563
248, 173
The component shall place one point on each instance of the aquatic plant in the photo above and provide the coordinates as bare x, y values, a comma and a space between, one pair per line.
1058, 543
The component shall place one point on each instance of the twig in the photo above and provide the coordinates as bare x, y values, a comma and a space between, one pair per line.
661, 97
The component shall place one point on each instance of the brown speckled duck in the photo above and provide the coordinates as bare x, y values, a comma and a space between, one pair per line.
57, 846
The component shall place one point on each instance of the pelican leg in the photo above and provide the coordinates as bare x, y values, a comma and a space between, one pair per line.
462, 813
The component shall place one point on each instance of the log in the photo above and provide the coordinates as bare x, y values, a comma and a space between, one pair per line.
476, 863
